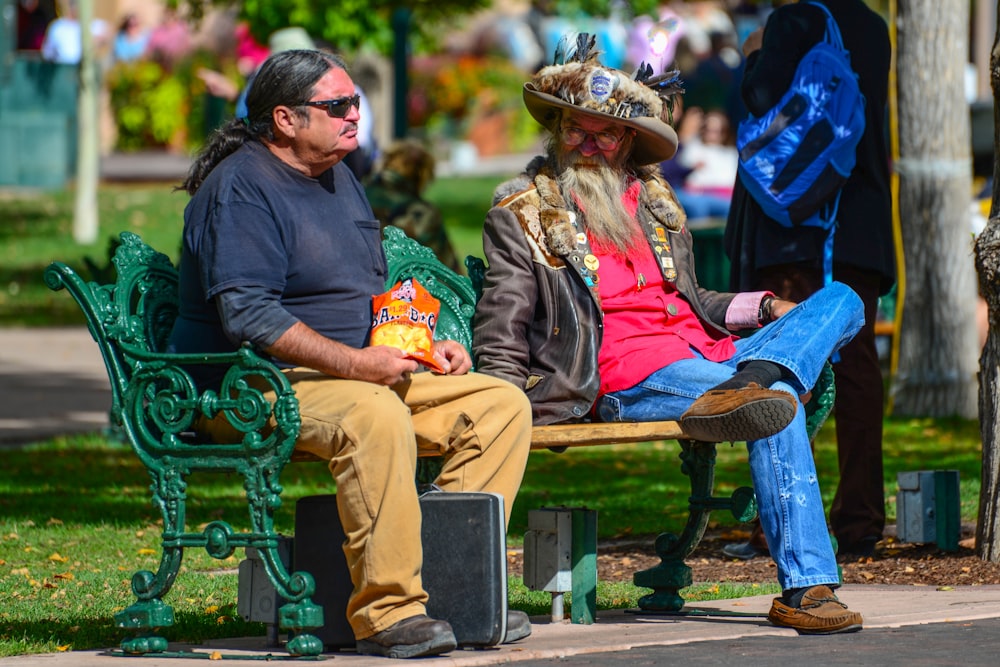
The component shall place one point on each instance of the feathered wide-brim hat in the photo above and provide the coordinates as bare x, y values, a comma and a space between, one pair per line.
578, 82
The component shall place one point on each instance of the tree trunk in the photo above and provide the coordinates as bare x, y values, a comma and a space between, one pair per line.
936, 371
988, 266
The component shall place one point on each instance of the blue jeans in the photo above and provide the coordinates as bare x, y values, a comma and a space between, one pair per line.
781, 466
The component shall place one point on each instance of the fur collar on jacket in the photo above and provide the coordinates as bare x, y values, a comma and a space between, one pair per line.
559, 222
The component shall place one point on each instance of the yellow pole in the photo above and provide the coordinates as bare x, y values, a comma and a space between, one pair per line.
897, 234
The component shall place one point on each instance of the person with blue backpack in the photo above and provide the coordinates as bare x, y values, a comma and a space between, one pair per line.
792, 246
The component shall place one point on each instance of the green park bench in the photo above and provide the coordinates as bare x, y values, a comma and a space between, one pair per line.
155, 404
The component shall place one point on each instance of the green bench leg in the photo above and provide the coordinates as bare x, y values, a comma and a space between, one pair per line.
301, 615
584, 572
149, 613
672, 574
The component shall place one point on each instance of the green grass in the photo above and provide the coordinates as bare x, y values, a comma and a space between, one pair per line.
464, 203
37, 228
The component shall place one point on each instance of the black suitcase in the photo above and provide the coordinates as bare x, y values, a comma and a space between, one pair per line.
464, 571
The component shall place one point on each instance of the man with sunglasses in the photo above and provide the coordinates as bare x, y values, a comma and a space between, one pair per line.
282, 251
591, 305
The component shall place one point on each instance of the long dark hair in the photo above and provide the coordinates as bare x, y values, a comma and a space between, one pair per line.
287, 79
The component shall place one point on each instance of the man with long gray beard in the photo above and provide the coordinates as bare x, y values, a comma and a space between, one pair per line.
592, 307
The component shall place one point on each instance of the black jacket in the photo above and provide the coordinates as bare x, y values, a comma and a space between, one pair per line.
864, 234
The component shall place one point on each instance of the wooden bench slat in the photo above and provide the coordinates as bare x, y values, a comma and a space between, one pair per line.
582, 435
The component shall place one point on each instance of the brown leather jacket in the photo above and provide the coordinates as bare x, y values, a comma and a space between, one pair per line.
539, 323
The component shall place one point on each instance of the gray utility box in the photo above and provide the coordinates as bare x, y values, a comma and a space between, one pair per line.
560, 555
928, 508
256, 599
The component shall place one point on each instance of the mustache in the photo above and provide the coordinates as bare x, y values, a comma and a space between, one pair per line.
349, 126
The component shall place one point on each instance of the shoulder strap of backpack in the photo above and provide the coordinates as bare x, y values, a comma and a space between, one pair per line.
832, 35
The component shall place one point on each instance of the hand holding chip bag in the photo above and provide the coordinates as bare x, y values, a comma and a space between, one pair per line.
404, 318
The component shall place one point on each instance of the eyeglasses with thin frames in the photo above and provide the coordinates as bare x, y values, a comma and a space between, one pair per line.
574, 136
338, 108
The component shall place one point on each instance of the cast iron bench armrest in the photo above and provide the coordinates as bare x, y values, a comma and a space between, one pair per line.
162, 403
157, 405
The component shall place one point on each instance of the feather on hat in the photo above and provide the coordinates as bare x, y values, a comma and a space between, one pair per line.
578, 82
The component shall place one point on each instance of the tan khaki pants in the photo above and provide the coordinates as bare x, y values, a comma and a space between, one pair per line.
371, 435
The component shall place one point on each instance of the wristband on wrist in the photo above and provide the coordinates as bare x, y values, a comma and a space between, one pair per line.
764, 312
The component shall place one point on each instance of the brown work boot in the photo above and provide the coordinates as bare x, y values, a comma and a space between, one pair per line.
518, 626
736, 415
410, 638
820, 613
753, 547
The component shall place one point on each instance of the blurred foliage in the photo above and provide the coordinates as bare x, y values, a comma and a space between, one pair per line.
158, 107
351, 26
354, 26
449, 90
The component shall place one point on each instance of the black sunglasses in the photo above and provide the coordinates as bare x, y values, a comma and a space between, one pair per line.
338, 108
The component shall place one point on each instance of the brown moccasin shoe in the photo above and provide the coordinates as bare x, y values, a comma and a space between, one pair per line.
736, 415
821, 613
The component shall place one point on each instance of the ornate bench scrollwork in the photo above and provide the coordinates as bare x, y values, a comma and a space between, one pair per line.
156, 403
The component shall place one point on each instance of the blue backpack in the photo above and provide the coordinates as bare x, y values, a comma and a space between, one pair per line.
795, 159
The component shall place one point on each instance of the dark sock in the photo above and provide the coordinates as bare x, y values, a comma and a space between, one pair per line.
793, 596
764, 373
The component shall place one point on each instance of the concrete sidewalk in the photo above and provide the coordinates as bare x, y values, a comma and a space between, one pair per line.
52, 382
618, 632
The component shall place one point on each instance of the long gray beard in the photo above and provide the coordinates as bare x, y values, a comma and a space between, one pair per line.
597, 187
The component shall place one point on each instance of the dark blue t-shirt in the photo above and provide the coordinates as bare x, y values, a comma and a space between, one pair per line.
258, 223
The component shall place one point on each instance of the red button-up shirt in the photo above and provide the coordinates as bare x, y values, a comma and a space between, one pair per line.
647, 323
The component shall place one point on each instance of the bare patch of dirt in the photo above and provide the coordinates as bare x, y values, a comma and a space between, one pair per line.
894, 562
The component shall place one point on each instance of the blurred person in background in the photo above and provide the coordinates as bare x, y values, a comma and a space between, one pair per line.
170, 40
33, 17
63, 39
395, 192
131, 40
711, 158
789, 262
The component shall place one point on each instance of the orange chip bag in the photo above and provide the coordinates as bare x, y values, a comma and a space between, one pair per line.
404, 318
